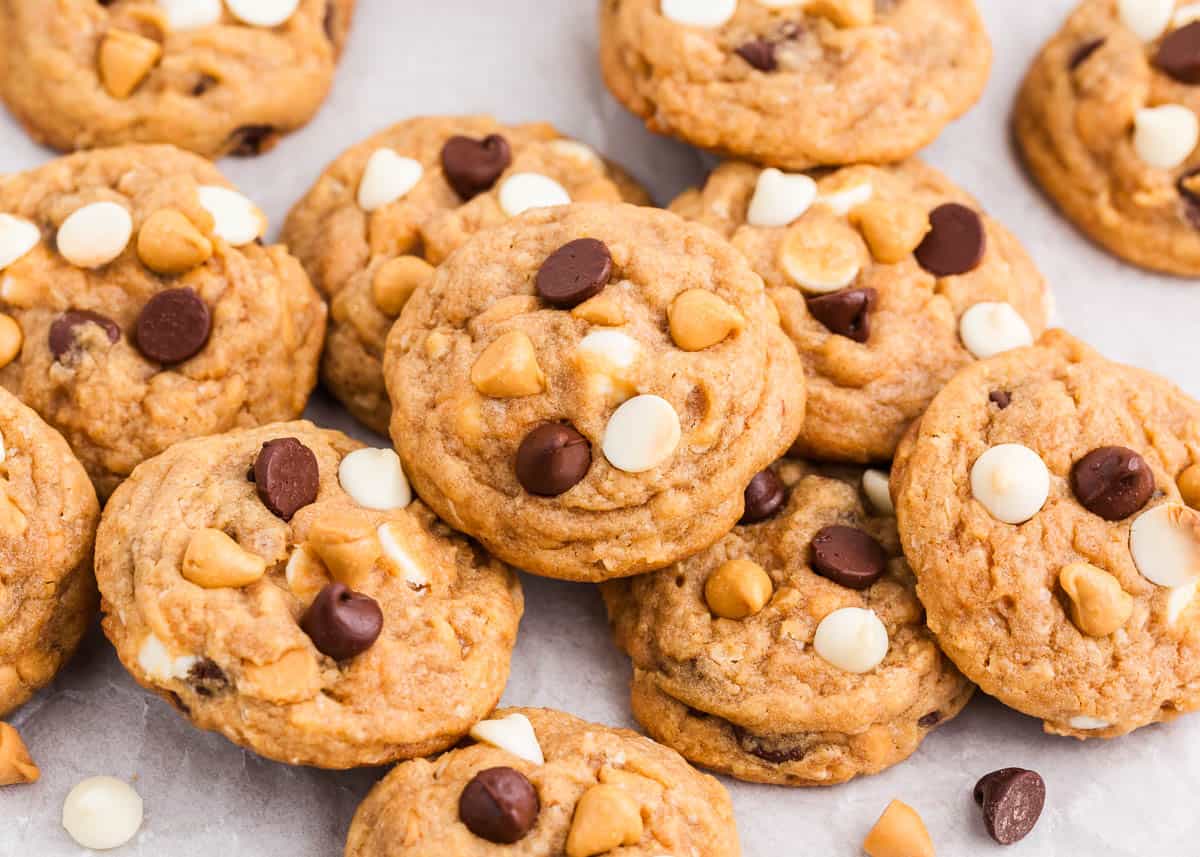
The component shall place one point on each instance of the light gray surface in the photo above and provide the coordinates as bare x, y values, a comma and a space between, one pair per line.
535, 59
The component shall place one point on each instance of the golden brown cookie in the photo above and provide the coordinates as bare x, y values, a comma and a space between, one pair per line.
214, 77
277, 585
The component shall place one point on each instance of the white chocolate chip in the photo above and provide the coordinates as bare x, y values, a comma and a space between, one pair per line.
263, 13
699, 13
522, 191
3, 450
236, 219
852, 639
1186, 14
842, 202
879, 495
576, 151
513, 734
611, 347
1165, 543
1147, 18
780, 198
102, 813
374, 479
1087, 724
641, 434
17, 237
387, 178
158, 664
95, 234
1179, 600
1163, 137
991, 328
191, 14
395, 551
1011, 481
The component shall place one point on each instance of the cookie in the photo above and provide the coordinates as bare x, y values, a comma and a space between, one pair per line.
887, 279
1047, 502
588, 389
392, 208
542, 782
215, 79
1107, 124
794, 650
796, 84
48, 517
139, 308
277, 585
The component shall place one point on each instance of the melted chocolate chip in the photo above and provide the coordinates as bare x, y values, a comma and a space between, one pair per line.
341, 623
1000, 398
955, 243
1112, 482
756, 746
574, 272
848, 557
1012, 800
552, 459
65, 330
759, 53
251, 140
206, 678
173, 326
286, 476
203, 84
499, 805
472, 166
846, 313
1083, 52
764, 497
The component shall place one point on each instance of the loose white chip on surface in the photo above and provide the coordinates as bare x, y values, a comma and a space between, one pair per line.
524, 191
514, 734
236, 219
641, 434
879, 495
191, 14
374, 479
387, 178
395, 551
852, 639
991, 328
102, 813
780, 198
17, 237
699, 13
1011, 481
95, 234
1147, 18
1164, 136
263, 13
842, 202
1165, 543
157, 662
1088, 723
616, 349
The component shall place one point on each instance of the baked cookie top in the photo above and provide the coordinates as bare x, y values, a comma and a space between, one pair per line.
588, 389
887, 279
1047, 503
540, 783
48, 517
796, 84
277, 586
1107, 122
216, 78
138, 308
390, 209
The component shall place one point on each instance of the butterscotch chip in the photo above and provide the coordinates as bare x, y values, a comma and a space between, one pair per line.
1099, 605
508, 368
845, 13
16, 765
168, 243
606, 818
1189, 486
899, 832
602, 309
11, 339
214, 560
396, 280
125, 60
348, 546
737, 589
699, 319
892, 231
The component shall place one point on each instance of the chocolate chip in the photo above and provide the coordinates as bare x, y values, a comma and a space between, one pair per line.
777, 754
1189, 189
203, 84
765, 496
1179, 54
472, 166
955, 242
552, 459
1083, 52
65, 328
206, 678
846, 313
574, 272
759, 53
1012, 801
251, 140
848, 557
1112, 482
331, 21
173, 326
499, 805
342, 623
1000, 398
286, 476
930, 720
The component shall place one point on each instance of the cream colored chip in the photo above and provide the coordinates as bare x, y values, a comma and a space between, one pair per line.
388, 177
374, 479
780, 198
993, 327
102, 813
699, 13
1165, 136
1179, 600
822, 253
876, 487
1185, 15
191, 14
513, 734
306, 576
642, 434
157, 662
396, 552
522, 192
1086, 723
1011, 481
17, 237
852, 639
94, 235
1147, 18
263, 13
1165, 543
236, 219
842, 202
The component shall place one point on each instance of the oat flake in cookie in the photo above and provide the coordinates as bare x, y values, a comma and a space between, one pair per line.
1056, 540
796, 84
216, 78
278, 585
589, 389
541, 782
794, 650
138, 306
887, 279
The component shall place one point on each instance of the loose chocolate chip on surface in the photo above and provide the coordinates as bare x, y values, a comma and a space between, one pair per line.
848, 557
1083, 52
575, 272
552, 459
65, 327
472, 166
846, 313
173, 326
1112, 482
499, 805
286, 476
342, 623
1012, 801
955, 243
765, 496
1000, 398
759, 53
1179, 54
251, 140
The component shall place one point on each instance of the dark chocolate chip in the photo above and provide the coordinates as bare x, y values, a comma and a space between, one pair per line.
772, 755
1112, 482
251, 140
203, 84
759, 53
1012, 801
765, 496
1179, 54
552, 459
955, 242
286, 476
1188, 186
846, 313
64, 330
930, 720
206, 678
574, 272
499, 805
331, 21
342, 623
1000, 398
1083, 52
173, 326
848, 557
472, 166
